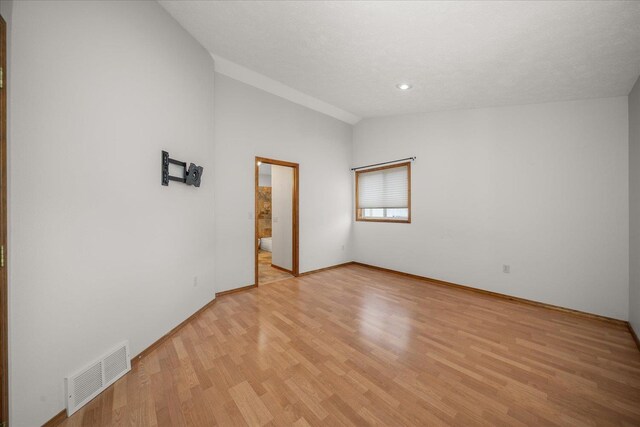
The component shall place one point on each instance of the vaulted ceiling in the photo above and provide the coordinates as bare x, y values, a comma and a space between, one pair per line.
455, 54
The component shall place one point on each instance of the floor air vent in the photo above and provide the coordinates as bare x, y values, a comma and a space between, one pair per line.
87, 383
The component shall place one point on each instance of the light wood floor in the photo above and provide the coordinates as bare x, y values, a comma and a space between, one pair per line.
355, 346
266, 273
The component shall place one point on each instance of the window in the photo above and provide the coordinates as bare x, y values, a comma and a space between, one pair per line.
384, 194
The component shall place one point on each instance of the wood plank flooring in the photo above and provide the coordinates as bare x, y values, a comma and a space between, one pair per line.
266, 273
356, 346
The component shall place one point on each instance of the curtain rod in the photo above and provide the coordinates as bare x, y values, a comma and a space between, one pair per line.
383, 163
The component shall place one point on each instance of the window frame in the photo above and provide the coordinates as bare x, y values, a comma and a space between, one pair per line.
359, 216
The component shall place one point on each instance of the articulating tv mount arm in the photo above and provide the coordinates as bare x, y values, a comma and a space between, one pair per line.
191, 176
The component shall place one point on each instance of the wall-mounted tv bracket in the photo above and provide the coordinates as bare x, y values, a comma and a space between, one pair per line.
189, 176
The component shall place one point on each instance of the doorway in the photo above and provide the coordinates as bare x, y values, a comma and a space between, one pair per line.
276, 220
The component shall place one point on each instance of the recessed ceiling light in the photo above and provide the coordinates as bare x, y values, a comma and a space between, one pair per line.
259, 163
404, 86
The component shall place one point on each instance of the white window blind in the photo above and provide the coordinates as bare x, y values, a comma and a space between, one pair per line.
385, 188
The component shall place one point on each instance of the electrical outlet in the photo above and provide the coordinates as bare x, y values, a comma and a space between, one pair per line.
506, 269
195, 281
343, 247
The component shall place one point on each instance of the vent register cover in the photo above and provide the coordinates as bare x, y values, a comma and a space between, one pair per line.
87, 383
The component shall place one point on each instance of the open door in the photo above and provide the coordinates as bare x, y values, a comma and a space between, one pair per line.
4, 346
274, 259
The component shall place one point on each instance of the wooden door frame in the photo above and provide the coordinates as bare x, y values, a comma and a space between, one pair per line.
295, 266
4, 319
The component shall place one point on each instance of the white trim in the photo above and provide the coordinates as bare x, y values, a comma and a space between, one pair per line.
250, 77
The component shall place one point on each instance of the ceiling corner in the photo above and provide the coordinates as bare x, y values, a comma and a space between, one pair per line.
267, 84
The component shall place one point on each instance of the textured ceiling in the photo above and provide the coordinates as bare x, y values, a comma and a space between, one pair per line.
455, 54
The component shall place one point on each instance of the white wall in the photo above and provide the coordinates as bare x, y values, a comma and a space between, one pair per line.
281, 216
264, 175
634, 207
100, 251
264, 180
6, 10
249, 123
542, 188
